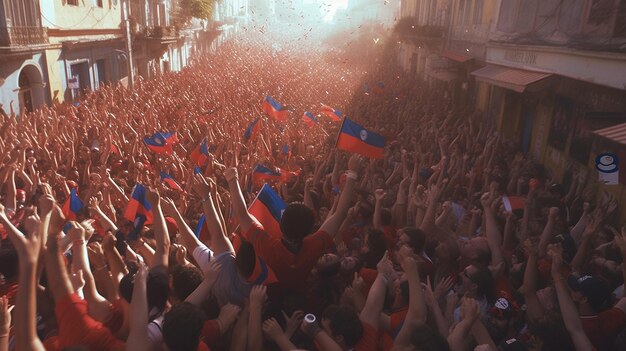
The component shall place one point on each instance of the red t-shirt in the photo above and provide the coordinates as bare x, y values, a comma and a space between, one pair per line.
291, 269
77, 328
603, 328
396, 320
369, 340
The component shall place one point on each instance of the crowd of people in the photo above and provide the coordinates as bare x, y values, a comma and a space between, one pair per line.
455, 240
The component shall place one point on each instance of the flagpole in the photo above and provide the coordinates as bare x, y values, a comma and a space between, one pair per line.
340, 129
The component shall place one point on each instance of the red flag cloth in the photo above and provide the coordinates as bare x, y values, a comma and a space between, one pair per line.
274, 109
356, 139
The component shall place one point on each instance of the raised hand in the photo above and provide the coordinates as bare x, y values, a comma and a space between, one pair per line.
443, 287
5, 316
228, 315
201, 186
258, 295
272, 329
293, 321
385, 266
231, 174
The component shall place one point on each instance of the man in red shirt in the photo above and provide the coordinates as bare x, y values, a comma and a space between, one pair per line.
293, 256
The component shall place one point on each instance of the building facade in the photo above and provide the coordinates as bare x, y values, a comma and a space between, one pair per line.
550, 74
86, 45
23, 41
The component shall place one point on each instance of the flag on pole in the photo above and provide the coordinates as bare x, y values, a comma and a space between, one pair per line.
200, 154
169, 180
71, 206
309, 120
202, 230
268, 209
252, 130
274, 109
138, 205
335, 115
161, 142
262, 172
355, 138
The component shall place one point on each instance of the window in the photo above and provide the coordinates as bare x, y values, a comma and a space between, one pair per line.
508, 15
99, 3
620, 21
571, 17
72, 2
478, 11
600, 12
526, 16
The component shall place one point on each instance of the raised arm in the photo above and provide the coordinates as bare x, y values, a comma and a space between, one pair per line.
568, 308
417, 306
494, 238
162, 250
333, 222
138, 337
219, 242
28, 248
546, 235
244, 218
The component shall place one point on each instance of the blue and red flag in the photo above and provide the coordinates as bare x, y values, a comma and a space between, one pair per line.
71, 206
138, 205
309, 120
161, 142
169, 180
202, 230
274, 109
262, 172
335, 115
252, 130
354, 138
268, 209
262, 273
200, 154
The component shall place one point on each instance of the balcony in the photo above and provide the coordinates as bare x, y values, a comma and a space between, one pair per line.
408, 30
160, 32
23, 37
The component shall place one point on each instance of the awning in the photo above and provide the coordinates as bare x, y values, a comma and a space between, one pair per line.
514, 79
454, 56
616, 133
444, 75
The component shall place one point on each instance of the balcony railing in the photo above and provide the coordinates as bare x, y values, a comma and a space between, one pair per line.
23, 36
161, 32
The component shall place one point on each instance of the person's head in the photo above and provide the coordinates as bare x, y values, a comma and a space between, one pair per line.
157, 288
342, 323
185, 279
476, 250
501, 315
374, 248
8, 264
476, 281
589, 291
182, 326
412, 237
424, 338
328, 265
20, 197
297, 222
